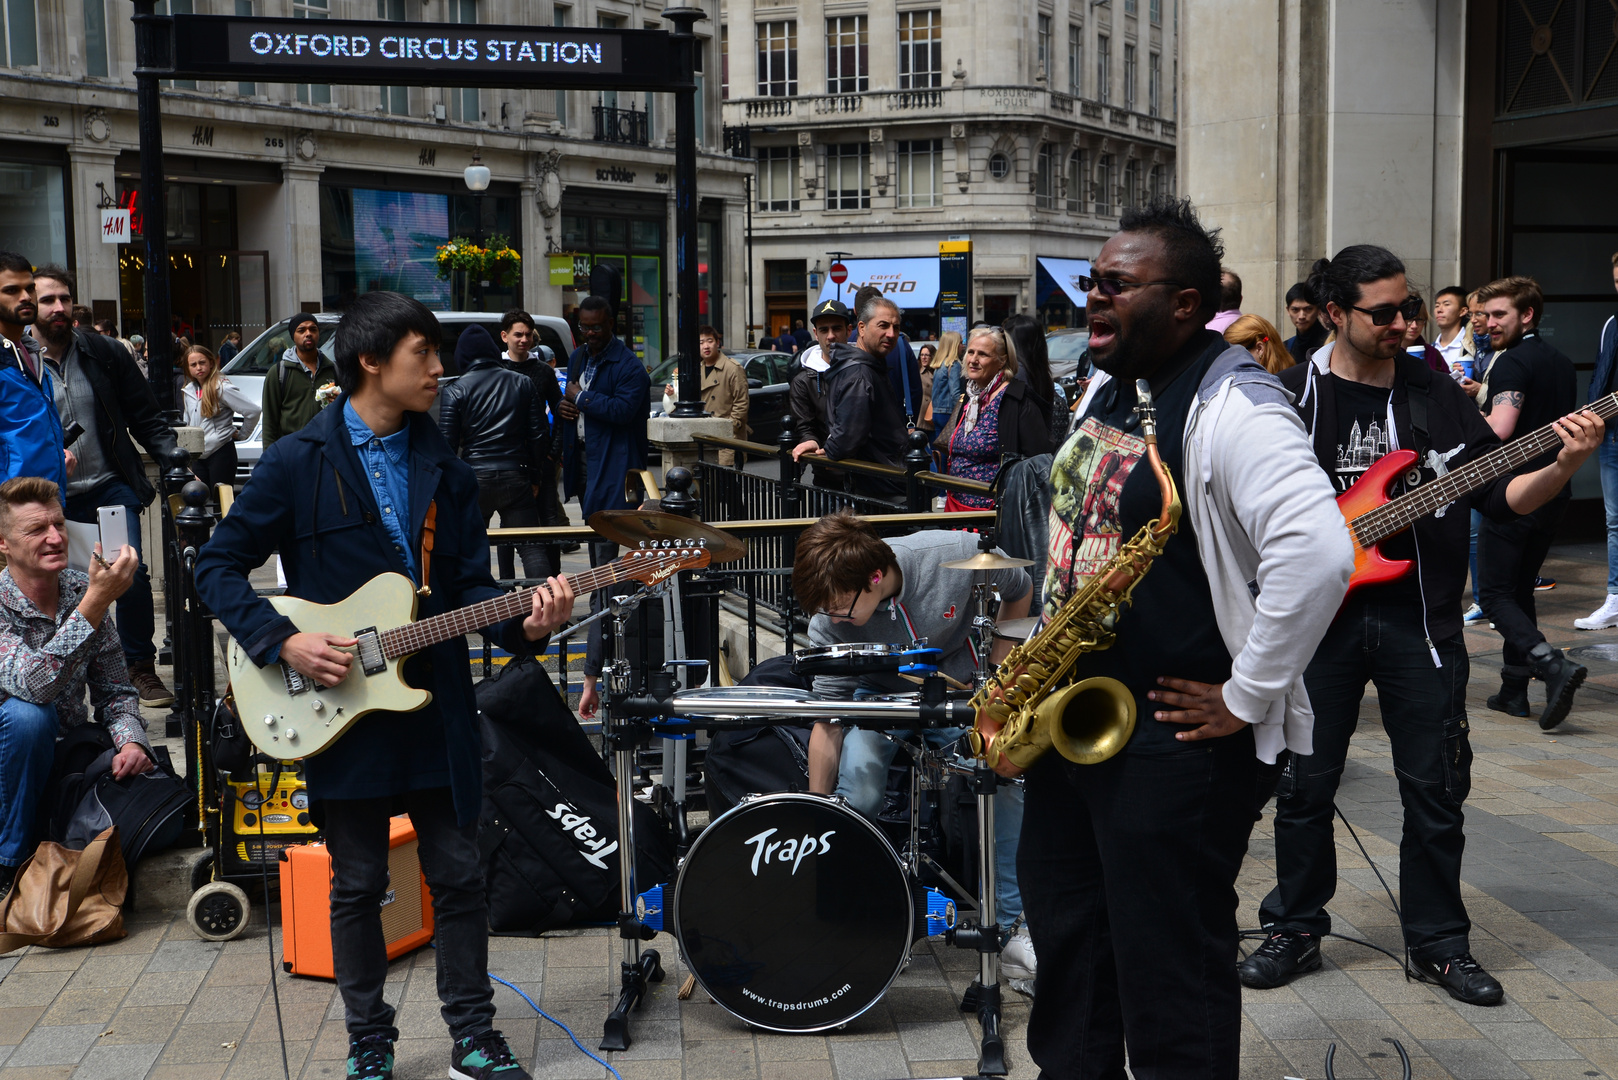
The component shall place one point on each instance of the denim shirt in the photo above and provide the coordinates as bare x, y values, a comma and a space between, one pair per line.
387, 467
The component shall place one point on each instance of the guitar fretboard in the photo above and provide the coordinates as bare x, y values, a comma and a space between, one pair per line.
416, 636
1399, 514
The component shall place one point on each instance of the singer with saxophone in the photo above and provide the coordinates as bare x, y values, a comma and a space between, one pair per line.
1128, 864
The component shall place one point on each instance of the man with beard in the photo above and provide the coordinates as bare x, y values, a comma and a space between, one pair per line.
291, 389
1128, 867
98, 386
864, 421
30, 429
1362, 396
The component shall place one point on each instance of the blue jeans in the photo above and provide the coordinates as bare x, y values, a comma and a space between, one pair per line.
357, 836
1472, 555
862, 777
136, 621
27, 748
1609, 496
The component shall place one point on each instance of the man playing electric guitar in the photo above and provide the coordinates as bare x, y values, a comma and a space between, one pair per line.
1361, 397
369, 487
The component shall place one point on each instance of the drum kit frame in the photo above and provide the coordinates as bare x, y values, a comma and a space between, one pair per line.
629, 720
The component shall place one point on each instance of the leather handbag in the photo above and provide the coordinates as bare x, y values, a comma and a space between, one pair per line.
63, 897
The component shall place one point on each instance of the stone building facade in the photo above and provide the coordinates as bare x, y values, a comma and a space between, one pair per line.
284, 198
881, 129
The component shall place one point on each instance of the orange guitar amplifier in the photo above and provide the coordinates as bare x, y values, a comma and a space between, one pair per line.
407, 909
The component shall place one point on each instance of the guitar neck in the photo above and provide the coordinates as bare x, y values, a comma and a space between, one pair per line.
1399, 514
416, 636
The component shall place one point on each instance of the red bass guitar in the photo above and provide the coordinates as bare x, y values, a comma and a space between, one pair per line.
1373, 515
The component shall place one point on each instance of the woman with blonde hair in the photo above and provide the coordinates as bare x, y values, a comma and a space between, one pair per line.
211, 403
996, 414
1259, 336
946, 369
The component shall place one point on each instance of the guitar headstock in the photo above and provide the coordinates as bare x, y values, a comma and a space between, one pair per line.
655, 561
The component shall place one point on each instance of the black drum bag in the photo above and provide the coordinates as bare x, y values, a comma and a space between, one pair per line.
758, 760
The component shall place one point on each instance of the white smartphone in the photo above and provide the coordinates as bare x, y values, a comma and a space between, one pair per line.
114, 522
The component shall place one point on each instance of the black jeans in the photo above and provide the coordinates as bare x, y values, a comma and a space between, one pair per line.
1128, 872
217, 468
550, 498
1510, 554
1424, 714
357, 836
511, 495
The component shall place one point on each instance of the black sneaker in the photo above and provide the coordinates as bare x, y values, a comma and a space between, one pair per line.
1512, 703
1285, 954
370, 1058
1543, 583
485, 1057
1463, 977
1562, 678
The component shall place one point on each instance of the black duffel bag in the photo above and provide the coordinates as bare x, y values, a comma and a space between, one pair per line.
548, 834
756, 761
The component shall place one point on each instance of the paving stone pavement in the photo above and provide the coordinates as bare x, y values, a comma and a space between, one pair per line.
1540, 877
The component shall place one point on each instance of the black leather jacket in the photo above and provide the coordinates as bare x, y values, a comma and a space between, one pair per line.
126, 411
492, 418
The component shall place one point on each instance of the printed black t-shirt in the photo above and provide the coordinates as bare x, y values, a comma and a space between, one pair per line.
1364, 438
1103, 492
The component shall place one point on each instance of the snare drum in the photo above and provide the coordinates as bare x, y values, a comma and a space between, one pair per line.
793, 912
859, 658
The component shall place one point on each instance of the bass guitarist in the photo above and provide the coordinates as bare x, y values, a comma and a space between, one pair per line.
369, 487
1360, 397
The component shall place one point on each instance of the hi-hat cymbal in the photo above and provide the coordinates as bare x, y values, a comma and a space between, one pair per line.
630, 527
988, 560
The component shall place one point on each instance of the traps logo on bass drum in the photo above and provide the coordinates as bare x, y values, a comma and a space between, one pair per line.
787, 852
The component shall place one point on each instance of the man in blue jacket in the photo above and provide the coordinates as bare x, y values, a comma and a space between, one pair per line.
30, 427
1602, 384
346, 498
609, 386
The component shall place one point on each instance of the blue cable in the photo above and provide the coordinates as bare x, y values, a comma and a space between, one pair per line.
559, 1024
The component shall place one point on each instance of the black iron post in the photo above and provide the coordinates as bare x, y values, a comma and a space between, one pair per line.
747, 276
918, 496
685, 206
193, 629
154, 49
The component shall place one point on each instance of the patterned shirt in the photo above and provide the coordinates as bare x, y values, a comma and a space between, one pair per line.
44, 660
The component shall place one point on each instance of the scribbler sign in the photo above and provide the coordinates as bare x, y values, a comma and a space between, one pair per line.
430, 54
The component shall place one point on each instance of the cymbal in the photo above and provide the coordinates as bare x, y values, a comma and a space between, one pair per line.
630, 527
988, 560
1015, 629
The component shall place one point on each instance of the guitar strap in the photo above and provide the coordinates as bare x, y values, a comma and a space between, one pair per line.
427, 527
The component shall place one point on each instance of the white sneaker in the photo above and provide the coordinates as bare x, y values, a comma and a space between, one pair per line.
1017, 961
1472, 614
1602, 617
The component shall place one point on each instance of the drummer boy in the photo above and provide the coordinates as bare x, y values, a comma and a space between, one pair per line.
860, 588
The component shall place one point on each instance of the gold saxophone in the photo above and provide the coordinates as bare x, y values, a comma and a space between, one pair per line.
1024, 709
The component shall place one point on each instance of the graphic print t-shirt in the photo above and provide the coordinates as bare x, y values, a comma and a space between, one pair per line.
1363, 439
1103, 492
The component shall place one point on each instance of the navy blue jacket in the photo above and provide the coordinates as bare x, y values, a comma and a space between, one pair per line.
1602, 376
615, 409
309, 498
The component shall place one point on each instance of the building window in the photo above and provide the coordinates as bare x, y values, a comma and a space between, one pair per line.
848, 55
1129, 77
1075, 60
1106, 176
1154, 11
921, 47
921, 173
1045, 178
1078, 181
395, 100
1131, 7
999, 165
608, 99
465, 104
164, 7
778, 178
313, 93
21, 33
1154, 84
95, 38
1160, 183
244, 9
724, 63
848, 176
1103, 69
1131, 183
560, 16
1043, 49
778, 58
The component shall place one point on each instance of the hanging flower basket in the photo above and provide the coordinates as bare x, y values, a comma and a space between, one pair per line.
461, 254
505, 264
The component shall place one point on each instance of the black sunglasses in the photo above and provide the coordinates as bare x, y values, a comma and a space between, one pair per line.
1111, 286
1383, 316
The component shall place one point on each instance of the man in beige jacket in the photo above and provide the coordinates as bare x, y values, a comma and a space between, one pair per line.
724, 388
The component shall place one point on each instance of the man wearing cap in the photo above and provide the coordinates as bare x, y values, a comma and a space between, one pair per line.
290, 388
806, 391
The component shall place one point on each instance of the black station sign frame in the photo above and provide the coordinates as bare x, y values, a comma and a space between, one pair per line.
362, 52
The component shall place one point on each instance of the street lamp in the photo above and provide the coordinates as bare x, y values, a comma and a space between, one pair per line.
477, 181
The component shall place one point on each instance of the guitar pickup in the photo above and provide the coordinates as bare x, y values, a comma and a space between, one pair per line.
372, 662
296, 682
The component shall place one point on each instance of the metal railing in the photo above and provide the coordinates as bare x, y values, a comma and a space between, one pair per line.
739, 141
628, 126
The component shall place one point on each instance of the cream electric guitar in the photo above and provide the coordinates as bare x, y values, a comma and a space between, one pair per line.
290, 716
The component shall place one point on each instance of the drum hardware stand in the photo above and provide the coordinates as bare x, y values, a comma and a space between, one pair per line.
622, 735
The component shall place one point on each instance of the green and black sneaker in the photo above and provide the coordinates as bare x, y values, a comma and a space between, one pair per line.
485, 1057
370, 1058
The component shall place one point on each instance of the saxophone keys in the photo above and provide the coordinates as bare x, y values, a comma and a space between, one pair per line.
1028, 684
998, 712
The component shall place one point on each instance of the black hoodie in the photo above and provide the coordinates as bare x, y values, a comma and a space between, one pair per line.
864, 422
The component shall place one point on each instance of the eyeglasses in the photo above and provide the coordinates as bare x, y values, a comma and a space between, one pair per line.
1111, 286
849, 614
592, 331
1383, 316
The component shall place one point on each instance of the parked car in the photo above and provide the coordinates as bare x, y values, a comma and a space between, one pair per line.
767, 378
248, 368
1067, 349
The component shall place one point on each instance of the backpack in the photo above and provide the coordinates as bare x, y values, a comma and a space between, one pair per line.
548, 832
754, 761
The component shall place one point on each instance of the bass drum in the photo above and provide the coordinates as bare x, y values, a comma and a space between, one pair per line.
793, 912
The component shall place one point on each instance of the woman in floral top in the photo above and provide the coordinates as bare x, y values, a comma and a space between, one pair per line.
994, 417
